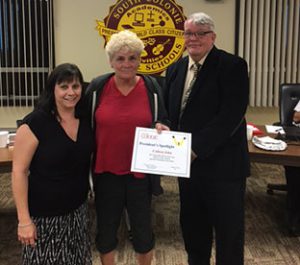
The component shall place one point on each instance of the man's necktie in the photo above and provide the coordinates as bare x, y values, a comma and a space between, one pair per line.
195, 68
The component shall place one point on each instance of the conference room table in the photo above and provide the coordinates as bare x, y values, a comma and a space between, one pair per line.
6, 155
288, 157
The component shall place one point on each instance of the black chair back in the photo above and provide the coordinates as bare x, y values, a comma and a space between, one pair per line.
289, 96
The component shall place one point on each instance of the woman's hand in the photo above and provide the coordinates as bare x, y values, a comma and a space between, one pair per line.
27, 234
161, 127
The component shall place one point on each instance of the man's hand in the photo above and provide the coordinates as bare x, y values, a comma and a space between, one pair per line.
161, 127
193, 156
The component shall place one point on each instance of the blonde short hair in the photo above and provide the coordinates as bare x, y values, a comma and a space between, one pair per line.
124, 39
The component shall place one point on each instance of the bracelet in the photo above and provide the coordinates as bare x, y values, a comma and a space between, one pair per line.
21, 226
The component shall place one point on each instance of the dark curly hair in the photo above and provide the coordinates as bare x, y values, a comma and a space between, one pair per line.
66, 72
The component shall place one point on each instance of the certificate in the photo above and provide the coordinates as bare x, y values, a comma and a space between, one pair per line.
167, 153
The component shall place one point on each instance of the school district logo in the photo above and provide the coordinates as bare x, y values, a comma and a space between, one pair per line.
159, 23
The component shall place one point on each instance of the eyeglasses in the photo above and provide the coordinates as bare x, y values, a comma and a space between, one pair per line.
199, 34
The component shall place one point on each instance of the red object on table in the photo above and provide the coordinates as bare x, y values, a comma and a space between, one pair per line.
256, 131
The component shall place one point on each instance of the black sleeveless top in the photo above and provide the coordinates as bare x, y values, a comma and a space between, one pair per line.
58, 180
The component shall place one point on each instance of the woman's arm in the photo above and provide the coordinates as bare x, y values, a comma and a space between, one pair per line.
24, 149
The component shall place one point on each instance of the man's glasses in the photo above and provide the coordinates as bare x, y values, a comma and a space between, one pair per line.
199, 34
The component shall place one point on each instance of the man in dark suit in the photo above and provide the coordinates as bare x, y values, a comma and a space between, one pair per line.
292, 175
211, 107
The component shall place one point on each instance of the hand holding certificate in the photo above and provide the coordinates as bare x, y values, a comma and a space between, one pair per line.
167, 153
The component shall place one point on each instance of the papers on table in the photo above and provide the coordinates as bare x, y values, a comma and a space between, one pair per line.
11, 138
167, 153
269, 143
275, 129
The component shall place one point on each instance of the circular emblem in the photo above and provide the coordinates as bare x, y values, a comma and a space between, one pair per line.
158, 23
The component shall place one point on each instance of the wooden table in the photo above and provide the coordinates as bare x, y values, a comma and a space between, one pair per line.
6, 159
288, 157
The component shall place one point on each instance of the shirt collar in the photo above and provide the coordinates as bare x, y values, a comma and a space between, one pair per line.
201, 62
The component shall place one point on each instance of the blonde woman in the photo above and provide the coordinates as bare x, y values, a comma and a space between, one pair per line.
123, 101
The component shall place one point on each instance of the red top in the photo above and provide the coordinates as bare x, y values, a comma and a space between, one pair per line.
117, 116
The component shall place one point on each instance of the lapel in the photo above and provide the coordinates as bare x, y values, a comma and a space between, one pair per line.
178, 85
207, 70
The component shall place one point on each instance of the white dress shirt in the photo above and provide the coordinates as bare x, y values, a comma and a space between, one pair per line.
190, 74
297, 108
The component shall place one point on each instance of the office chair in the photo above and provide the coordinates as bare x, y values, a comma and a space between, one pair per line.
289, 95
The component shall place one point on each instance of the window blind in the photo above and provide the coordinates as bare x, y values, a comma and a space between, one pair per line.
269, 41
26, 50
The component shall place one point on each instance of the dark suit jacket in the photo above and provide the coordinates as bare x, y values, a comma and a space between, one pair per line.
214, 113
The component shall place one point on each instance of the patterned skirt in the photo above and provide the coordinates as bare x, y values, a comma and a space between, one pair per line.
62, 240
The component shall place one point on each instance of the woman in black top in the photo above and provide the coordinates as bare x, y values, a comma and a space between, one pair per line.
50, 174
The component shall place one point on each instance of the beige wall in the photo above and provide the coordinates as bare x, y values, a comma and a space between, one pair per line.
77, 40
262, 115
8, 116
